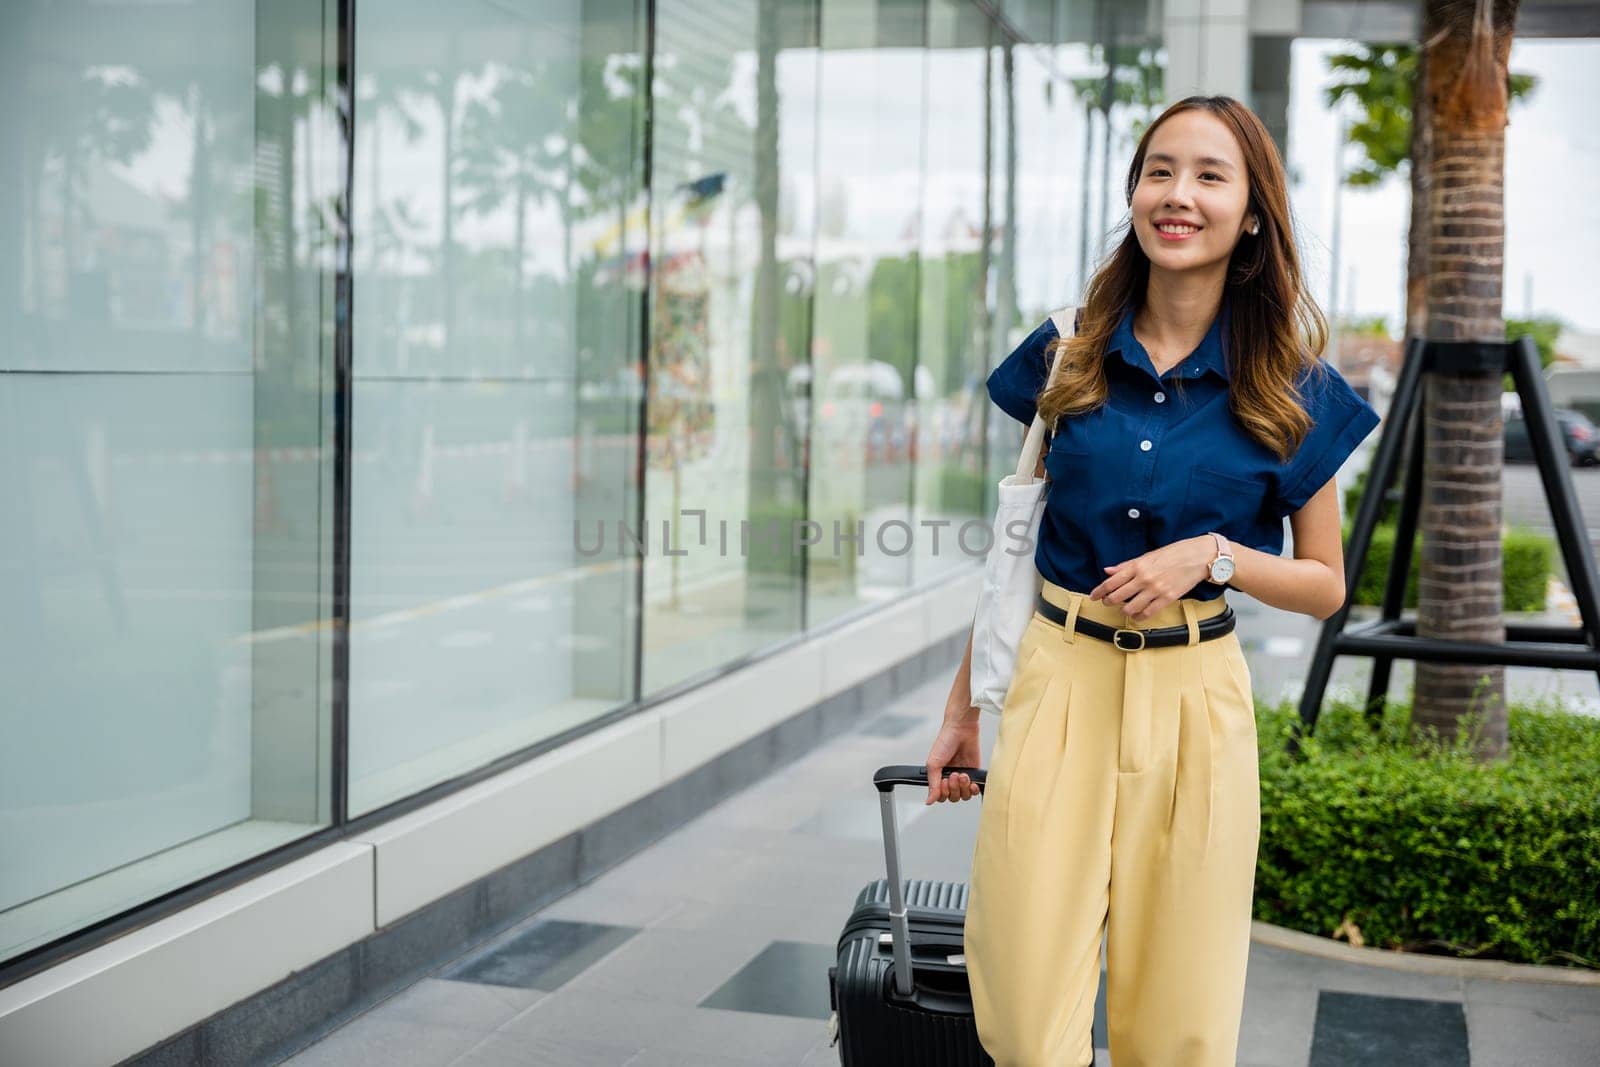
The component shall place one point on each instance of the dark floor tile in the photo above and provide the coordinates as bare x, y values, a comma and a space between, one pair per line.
785, 978
1355, 1030
543, 956
889, 725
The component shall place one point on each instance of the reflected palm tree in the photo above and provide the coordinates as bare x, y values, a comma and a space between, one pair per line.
287, 94
99, 114
504, 157
1133, 78
211, 125
410, 95
602, 179
96, 115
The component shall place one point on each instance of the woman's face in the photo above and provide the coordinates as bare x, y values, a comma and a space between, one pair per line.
1194, 173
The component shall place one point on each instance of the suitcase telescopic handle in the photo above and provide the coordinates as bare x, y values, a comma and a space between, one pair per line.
885, 780
906, 774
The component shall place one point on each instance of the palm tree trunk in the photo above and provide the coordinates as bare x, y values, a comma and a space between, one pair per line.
1460, 593
1416, 323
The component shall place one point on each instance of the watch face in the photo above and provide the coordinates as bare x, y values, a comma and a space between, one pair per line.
1221, 569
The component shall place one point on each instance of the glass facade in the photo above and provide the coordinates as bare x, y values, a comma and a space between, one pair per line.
499, 238
387, 391
168, 225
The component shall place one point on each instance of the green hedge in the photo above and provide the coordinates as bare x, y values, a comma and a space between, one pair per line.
1421, 848
1525, 569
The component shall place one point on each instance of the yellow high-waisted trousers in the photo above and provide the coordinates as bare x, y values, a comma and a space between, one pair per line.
1122, 798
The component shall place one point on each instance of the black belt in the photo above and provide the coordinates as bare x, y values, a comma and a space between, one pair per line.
1215, 626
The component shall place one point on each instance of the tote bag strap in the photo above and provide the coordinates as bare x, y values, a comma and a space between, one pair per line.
1066, 326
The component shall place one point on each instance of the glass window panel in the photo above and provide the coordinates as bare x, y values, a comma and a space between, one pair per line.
953, 320
729, 317
498, 269
864, 355
166, 303
1006, 325
1040, 190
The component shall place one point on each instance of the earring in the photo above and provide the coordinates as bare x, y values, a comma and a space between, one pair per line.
1255, 229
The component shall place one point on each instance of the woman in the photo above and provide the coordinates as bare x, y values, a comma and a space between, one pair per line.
1191, 414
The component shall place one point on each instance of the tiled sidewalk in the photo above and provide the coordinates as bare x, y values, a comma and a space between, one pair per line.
712, 946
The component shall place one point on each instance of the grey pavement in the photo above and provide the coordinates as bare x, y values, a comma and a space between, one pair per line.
711, 947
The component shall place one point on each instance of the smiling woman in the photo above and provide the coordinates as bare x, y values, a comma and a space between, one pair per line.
1190, 414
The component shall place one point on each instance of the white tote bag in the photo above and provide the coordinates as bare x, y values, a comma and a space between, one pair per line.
1010, 579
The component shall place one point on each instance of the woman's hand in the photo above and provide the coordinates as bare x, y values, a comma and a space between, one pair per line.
956, 746
1145, 584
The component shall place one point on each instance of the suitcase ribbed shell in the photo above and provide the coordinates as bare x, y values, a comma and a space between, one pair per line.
876, 1027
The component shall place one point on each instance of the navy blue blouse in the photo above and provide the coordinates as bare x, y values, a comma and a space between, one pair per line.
1164, 459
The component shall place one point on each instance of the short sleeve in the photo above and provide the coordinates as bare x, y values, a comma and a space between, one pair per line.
1014, 385
1341, 420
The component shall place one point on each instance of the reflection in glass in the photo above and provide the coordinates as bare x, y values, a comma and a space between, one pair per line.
1004, 434
864, 352
729, 302
953, 321
166, 289
619, 419
496, 392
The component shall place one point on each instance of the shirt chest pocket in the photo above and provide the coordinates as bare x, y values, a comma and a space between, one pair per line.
1069, 464
1218, 501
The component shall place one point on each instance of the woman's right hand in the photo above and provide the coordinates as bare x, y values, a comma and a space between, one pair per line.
955, 746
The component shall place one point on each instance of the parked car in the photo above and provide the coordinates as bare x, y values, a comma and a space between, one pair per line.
1581, 435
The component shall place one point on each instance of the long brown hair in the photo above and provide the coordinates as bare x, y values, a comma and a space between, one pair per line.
1276, 330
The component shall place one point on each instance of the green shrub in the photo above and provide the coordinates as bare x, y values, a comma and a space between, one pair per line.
1352, 500
1421, 848
1525, 570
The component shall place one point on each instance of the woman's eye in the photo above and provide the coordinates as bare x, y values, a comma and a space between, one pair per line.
1207, 174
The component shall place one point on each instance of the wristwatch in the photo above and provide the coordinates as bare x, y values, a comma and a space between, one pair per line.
1222, 566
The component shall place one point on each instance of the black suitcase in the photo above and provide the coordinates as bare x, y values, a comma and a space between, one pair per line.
905, 928
912, 929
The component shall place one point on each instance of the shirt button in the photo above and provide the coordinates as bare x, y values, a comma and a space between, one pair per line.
1144, 446
1161, 398
1133, 513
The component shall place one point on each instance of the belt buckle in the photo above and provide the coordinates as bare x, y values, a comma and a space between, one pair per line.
1117, 634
